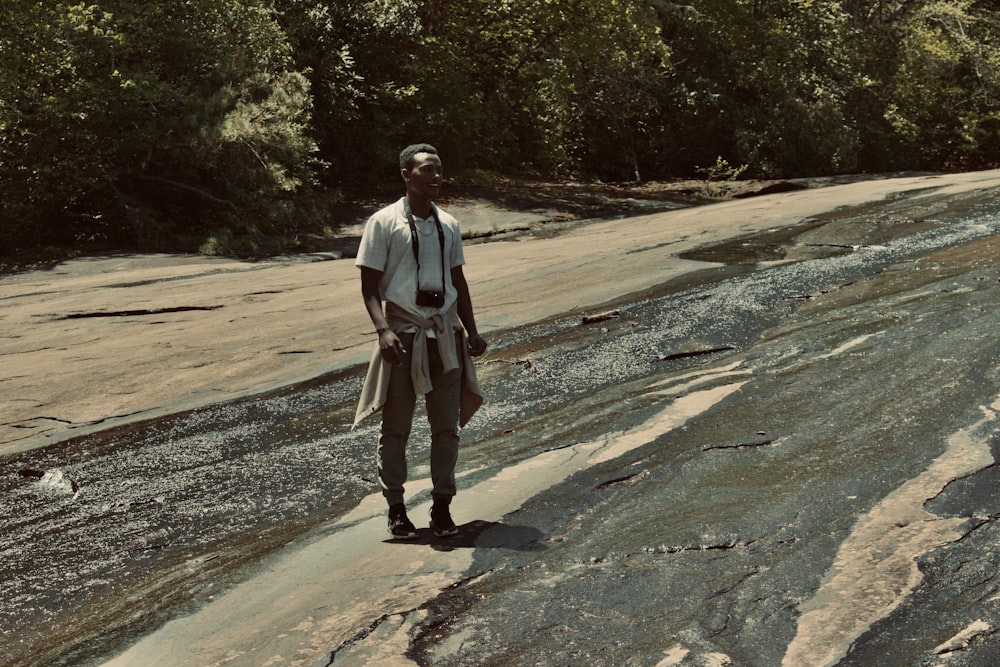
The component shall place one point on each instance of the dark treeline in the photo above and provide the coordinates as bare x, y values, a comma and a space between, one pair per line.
218, 124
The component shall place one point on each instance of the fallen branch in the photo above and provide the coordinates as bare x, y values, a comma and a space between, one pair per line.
601, 317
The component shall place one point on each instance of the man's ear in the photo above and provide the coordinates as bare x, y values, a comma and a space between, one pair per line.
405, 173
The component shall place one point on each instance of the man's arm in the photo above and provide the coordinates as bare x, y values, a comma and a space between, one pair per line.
477, 344
388, 342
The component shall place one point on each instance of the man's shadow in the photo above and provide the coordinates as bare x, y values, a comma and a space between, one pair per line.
481, 535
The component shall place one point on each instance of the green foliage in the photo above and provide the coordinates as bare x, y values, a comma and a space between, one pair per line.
722, 171
224, 124
763, 83
53, 110
220, 117
355, 55
540, 87
142, 122
936, 103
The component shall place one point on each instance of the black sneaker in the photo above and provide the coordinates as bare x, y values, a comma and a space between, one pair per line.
441, 522
400, 526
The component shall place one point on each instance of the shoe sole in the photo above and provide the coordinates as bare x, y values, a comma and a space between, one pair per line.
407, 536
445, 533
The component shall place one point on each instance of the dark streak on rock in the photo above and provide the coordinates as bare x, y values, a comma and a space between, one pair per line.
137, 312
42, 418
425, 629
361, 634
695, 353
617, 480
741, 445
830, 245
733, 587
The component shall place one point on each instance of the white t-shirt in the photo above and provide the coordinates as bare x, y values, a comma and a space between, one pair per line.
430, 270
387, 246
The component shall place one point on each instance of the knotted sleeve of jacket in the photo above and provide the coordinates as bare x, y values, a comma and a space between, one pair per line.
454, 355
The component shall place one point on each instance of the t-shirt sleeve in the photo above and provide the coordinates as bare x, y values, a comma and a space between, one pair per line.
457, 256
373, 253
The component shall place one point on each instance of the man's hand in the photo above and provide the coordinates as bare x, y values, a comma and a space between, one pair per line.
477, 345
391, 347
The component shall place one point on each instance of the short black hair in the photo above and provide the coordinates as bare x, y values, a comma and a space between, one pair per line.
407, 155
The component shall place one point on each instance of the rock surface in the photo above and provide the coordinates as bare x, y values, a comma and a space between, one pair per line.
97, 342
778, 451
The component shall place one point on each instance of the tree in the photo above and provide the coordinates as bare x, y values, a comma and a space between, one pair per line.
616, 67
56, 99
356, 55
145, 121
933, 70
163, 124
762, 83
539, 87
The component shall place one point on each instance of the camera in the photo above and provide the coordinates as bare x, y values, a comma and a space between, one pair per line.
430, 299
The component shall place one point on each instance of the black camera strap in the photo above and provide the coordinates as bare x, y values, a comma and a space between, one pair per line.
416, 239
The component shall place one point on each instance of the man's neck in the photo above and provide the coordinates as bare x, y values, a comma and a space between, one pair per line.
419, 206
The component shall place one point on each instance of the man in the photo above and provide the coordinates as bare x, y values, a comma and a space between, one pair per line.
411, 259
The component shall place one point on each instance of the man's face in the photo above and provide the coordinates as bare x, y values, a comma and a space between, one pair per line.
424, 179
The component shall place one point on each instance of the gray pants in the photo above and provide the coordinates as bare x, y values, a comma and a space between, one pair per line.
397, 419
